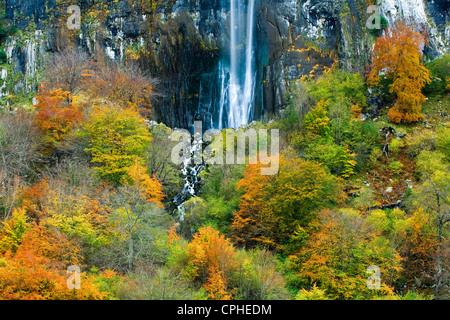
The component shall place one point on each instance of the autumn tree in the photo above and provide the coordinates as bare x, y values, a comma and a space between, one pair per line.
397, 58
320, 144
253, 224
432, 198
317, 120
338, 254
76, 212
136, 205
78, 217
58, 114
136, 202
420, 252
157, 157
275, 210
19, 139
66, 70
33, 262
10, 192
216, 285
259, 276
13, 230
117, 138
151, 282
313, 294
142, 185
210, 255
126, 86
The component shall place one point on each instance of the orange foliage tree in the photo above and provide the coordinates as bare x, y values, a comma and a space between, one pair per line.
148, 188
253, 224
57, 115
421, 250
397, 57
33, 260
126, 86
208, 253
217, 285
74, 212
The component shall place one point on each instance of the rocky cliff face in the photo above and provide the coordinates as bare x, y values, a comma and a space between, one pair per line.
181, 42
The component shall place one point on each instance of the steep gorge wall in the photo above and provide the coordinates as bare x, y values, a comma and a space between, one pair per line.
180, 42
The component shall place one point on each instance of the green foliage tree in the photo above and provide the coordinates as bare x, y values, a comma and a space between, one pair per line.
432, 195
275, 211
259, 277
338, 254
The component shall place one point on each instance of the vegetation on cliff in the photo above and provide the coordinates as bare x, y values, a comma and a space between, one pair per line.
86, 179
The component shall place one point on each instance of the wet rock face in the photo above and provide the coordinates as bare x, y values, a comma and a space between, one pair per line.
321, 18
24, 11
284, 24
439, 10
429, 15
181, 41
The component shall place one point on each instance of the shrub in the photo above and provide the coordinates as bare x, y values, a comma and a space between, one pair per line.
3, 57
396, 145
384, 23
440, 71
339, 87
396, 167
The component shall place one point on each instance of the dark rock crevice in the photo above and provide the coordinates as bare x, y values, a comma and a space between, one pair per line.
180, 42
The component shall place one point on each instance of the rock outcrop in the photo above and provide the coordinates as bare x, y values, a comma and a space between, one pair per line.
181, 42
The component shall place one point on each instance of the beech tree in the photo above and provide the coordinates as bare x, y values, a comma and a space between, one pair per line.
397, 57
58, 114
126, 86
19, 138
432, 196
338, 253
66, 69
117, 138
275, 210
211, 255
33, 262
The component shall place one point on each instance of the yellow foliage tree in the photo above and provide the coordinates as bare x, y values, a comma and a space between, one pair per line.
317, 119
117, 139
149, 188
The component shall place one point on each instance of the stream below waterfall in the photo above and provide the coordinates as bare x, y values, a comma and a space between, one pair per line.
190, 171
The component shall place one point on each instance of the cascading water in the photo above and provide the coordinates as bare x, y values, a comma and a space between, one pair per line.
190, 171
236, 78
237, 70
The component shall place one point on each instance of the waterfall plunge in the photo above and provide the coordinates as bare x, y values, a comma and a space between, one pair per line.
237, 76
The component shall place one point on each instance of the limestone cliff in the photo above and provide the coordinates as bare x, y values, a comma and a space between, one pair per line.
181, 43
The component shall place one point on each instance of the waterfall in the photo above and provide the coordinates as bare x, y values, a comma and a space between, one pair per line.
238, 89
190, 172
232, 105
